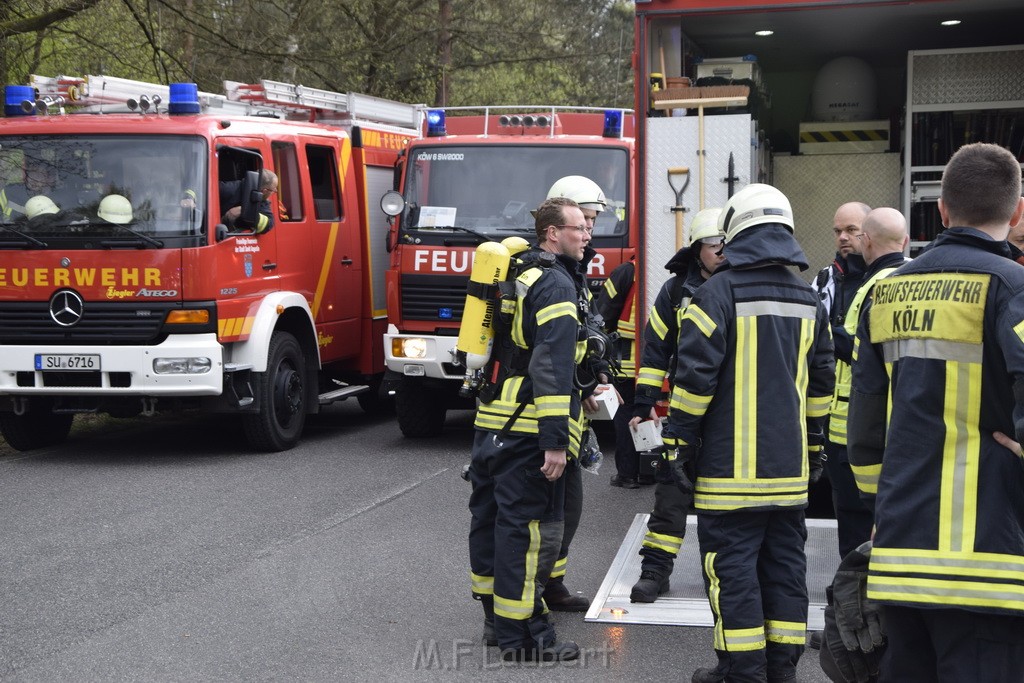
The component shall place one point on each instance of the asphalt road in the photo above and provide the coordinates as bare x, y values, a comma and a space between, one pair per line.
161, 550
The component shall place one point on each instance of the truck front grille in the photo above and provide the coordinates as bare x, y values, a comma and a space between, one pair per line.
430, 297
110, 324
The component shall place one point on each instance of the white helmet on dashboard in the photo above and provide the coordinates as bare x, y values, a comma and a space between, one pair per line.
115, 208
581, 190
705, 225
755, 204
40, 205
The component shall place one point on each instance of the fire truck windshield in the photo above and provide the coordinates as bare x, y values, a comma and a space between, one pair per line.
68, 190
491, 189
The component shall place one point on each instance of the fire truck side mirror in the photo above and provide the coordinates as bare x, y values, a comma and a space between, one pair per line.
251, 198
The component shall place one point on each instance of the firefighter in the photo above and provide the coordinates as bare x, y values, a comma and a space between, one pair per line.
751, 390
690, 267
837, 284
527, 428
231, 197
939, 369
591, 201
617, 305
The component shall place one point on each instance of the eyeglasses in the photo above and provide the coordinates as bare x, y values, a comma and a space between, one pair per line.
712, 241
589, 229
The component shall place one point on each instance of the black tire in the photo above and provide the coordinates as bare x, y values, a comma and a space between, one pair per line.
374, 402
420, 412
281, 391
38, 428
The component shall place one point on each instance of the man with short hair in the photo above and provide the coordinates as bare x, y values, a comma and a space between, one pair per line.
837, 284
526, 429
939, 370
231, 201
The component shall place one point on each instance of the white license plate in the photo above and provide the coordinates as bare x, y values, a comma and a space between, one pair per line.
67, 361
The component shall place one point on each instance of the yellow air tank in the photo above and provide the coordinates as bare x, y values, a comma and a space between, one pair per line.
476, 335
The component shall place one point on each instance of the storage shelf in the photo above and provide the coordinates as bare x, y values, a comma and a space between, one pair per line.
955, 97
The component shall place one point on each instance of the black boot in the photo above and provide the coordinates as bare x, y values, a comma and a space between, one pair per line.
649, 587
560, 651
487, 602
559, 599
705, 675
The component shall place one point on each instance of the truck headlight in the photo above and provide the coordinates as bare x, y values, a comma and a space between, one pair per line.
181, 366
409, 347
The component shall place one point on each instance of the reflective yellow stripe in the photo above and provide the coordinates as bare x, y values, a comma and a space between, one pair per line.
745, 399
522, 608
701, 319
735, 494
549, 313
482, 585
744, 639
960, 453
559, 568
817, 406
670, 544
609, 287
714, 597
802, 380
1019, 329
551, 406
790, 632
937, 592
658, 325
683, 400
5, 207
652, 377
866, 477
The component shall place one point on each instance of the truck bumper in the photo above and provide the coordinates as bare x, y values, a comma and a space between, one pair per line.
434, 355
123, 370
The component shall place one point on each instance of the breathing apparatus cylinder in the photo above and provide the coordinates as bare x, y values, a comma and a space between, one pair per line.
491, 263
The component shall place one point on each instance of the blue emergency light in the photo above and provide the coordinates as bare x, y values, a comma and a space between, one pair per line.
184, 98
14, 95
445, 313
612, 123
435, 123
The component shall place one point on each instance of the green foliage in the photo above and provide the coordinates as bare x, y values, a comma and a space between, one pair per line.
573, 52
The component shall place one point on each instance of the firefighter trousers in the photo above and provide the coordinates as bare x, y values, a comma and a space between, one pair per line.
946, 645
755, 576
573, 478
627, 460
666, 526
514, 536
853, 518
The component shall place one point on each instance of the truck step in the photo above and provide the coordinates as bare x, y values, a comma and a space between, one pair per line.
343, 393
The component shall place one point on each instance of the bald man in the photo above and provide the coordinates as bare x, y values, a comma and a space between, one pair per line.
883, 241
884, 233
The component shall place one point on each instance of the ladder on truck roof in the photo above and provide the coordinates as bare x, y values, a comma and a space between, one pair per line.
109, 94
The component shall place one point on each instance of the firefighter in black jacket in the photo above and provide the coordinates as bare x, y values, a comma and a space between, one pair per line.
527, 428
690, 267
753, 383
939, 368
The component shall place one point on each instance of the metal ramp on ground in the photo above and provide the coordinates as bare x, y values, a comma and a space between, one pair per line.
686, 603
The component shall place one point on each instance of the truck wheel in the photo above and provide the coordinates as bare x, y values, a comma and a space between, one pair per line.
375, 401
38, 428
420, 412
281, 393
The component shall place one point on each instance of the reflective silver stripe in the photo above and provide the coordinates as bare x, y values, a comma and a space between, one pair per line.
724, 502
753, 485
931, 349
782, 309
987, 565
962, 443
946, 592
745, 400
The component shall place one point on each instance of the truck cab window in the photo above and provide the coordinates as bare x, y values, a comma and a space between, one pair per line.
323, 176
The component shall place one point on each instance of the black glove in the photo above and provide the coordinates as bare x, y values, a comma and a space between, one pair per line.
858, 618
816, 456
682, 467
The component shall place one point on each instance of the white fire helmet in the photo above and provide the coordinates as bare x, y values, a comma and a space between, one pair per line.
115, 208
581, 190
705, 225
754, 205
40, 205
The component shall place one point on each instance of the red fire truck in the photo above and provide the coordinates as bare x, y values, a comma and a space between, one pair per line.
126, 287
474, 175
